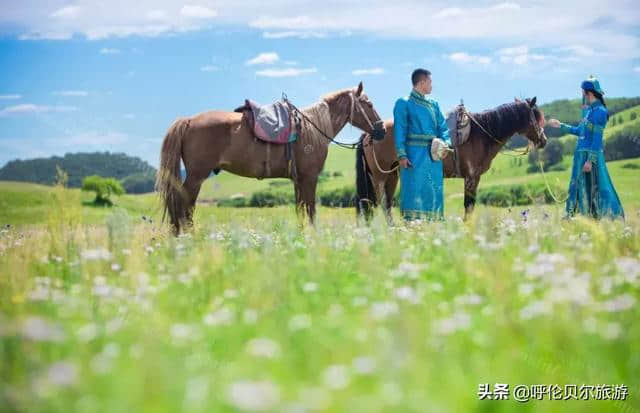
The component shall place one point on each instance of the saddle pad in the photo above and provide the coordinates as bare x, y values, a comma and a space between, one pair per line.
272, 123
459, 125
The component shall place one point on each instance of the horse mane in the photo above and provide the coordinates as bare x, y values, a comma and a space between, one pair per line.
334, 95
505, 120
319, 114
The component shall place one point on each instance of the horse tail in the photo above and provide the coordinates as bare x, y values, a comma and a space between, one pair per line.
365, 193
168, 182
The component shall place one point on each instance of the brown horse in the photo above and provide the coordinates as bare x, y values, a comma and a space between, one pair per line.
217, 140
376, 161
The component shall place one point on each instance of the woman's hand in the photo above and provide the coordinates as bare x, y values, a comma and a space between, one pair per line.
554, 123
586, 167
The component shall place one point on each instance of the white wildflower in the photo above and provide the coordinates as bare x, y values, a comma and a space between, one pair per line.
383, 309
263, 347
407, 293
223, 316
619, 303
364, 365
336, 377
299, 322
95, 254
38, 329
309, 287
458, 321
62, 373
254, 395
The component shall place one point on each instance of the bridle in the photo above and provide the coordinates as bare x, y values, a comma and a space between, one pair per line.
356, 105
539, 130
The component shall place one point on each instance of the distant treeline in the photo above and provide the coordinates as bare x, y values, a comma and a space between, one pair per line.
136, 175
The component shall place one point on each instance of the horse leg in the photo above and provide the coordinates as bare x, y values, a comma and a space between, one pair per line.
192, 188
470, 188
390, 191
307, 190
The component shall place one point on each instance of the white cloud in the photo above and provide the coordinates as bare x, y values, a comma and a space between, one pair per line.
506, 6
300, 34
287, 72
578, 50
75, 93
198, 12
209, 68
29, 108
513, 51
364, 72
157, 15
107, 50
520, 55
93, 138
448, 12
10, 97
69, 12
263, 59
295, 22
636, 69
465, 58
129, 116
543, 24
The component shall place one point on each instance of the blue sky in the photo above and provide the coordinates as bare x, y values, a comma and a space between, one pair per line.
90, 75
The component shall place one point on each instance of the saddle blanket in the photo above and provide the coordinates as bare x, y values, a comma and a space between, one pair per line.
273, 123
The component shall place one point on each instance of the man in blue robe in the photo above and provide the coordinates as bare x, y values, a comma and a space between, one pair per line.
417, 121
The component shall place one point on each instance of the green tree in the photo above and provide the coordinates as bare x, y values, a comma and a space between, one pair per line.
103, 187
633, 116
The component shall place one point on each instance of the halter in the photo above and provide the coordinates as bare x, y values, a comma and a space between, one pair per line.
356, 105
539, 130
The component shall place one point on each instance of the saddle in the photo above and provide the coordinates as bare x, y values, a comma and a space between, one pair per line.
273, 123
459, 125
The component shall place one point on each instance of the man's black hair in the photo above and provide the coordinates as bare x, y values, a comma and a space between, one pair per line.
418, 75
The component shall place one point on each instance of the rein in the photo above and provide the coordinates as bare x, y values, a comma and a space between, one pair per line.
517, 153
329, 138
548, 186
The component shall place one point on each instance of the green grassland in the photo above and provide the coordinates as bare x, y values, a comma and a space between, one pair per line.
101, 311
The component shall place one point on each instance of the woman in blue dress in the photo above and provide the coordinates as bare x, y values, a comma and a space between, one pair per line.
591, 191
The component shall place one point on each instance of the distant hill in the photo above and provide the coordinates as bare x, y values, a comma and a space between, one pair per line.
79, 165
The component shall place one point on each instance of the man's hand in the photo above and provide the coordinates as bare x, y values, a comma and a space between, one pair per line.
587, 167
404, 163
554, 123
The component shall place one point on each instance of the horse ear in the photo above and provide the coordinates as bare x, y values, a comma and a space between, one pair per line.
533, 101
359, 91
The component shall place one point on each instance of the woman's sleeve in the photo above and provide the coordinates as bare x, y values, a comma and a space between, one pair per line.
574, 130
400, 121
595, 124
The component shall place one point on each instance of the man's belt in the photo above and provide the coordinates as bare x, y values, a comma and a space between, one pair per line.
419, 139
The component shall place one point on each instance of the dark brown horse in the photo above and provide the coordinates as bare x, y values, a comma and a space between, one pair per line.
224, 140
376, 161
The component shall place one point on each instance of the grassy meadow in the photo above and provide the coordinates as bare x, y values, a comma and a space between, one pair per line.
101, 310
